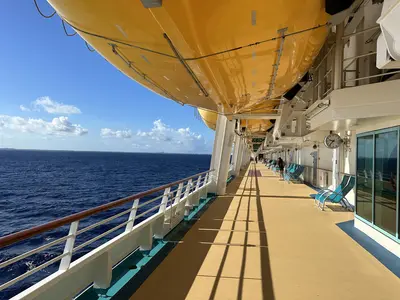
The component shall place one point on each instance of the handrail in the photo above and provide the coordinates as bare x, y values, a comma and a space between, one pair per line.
318, 168
372, 76
343, 173
360, 32
325, 56
27, 233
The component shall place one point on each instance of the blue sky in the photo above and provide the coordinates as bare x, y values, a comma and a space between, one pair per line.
55, 94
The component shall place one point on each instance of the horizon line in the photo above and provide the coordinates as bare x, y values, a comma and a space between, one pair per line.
101, 151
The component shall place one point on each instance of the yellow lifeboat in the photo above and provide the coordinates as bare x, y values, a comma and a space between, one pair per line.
227, 56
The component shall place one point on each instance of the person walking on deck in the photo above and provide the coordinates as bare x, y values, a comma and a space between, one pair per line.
281, 166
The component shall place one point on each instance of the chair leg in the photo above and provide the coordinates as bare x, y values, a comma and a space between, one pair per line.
343, 204
321, 204
348, 205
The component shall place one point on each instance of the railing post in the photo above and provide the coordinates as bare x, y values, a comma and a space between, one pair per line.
198, 183
188, 188
338, 61
158, 227
188, 203
164, 200
69, 246
178, 193
205, 180
132, 216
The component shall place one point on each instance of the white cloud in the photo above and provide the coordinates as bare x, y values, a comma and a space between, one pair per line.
53, 107
164, 138
107, 132
24, 108
58, 126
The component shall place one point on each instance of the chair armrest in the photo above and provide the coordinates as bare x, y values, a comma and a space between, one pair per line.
330, 193
324, 191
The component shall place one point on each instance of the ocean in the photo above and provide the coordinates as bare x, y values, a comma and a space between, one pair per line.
39, 186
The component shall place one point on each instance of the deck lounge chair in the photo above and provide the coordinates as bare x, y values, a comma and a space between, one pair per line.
338, 195
293, 173
339, 188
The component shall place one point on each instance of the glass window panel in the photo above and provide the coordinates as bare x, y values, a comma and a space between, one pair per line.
385, 180
365, 150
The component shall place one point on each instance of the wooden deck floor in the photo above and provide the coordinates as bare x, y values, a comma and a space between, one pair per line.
266, 240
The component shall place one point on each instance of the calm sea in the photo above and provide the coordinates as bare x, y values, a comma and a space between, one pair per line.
40, 186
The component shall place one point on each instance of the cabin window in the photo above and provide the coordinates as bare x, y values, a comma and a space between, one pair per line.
385, 180
365, 150
377, 179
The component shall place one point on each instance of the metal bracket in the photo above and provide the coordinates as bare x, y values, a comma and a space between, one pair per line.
151, 3
186, 66
281, 33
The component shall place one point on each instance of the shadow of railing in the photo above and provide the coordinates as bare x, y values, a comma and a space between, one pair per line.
266, 275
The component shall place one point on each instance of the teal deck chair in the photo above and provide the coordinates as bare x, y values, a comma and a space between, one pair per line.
339, 195
295, 175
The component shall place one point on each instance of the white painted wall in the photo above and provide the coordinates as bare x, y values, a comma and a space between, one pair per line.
377, 236
325, 157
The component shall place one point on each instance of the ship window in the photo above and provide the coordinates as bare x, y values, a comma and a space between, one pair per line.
377, 179
385, 181
365, 149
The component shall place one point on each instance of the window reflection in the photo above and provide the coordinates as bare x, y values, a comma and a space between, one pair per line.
385, 180
365, 148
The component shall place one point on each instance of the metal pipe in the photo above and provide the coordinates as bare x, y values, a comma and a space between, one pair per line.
372, 76
186, 66
100, 236
256, 116
327, 73
103, 221
355, 58
141, 74
326, 93
359, 56
30, 272
276, 65
338, 60
325, 56
33, 251
360, 32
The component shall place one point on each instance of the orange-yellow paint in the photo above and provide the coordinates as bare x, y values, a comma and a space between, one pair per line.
237, 80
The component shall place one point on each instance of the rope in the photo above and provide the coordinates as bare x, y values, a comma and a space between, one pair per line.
43, 15
118, 42
259, 42
200, 57
65, 29
87, 46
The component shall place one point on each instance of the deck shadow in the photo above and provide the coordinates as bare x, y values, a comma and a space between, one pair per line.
266, 274
336, 208
387, 258
269, 196
174, 277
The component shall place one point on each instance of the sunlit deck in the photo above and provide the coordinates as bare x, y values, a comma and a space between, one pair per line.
266, 240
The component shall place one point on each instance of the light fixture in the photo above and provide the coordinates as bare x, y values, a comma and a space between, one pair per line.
316, 108
347, 141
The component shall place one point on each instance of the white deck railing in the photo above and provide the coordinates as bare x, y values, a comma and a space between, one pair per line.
324, 72
96, 266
